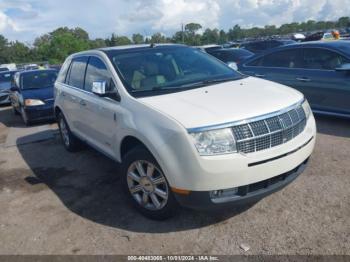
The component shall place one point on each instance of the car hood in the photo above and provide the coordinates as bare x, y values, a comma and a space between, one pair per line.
40, 93
225, 102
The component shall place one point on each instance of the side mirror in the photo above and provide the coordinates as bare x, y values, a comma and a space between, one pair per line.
233, 65
99, 88
343, 67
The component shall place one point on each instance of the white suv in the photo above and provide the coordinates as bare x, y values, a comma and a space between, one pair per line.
187, 128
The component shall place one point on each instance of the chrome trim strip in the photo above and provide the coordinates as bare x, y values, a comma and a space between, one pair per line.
245, 121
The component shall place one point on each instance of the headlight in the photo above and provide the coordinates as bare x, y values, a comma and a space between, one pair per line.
33, 102
306, 108
214, 142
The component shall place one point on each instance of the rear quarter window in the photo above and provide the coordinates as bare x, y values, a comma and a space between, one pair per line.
63, 72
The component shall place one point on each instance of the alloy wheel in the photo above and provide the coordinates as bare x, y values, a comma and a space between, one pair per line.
147, 185
64, 132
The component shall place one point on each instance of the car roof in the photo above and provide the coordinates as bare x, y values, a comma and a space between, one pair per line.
140, 46
340, 45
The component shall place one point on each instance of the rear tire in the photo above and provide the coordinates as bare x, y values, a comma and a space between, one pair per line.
70, 141
145, 185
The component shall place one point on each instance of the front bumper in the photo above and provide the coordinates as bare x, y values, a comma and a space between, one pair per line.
186, 170
201, 200
38, 113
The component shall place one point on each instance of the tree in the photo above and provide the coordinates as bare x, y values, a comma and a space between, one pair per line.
60, 43
210, 36
137, 39
118, 40
192, 28
19, 53
3, 50
158, 38
98, 43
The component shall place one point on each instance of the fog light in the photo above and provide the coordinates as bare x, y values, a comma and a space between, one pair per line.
224, 195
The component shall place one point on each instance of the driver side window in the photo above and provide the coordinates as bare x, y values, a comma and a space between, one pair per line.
97, 71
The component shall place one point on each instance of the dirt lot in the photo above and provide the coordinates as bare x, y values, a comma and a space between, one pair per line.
55, 202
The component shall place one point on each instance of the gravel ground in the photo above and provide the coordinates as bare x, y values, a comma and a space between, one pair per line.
55, 202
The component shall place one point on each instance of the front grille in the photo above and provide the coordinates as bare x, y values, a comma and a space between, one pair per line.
270, 132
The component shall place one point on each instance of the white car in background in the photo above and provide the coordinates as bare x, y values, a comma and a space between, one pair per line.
187, 128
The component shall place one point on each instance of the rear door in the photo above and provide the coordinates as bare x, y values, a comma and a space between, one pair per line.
72, 95
325, 88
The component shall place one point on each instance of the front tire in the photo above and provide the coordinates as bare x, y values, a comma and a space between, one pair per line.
145, 185
70, 141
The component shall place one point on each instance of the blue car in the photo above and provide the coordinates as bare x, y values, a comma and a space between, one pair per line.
32, 95
6, 79
320, 70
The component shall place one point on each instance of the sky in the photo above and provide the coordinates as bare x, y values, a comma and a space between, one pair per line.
24, 20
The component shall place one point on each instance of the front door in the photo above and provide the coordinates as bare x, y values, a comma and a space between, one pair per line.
99, 114
326, 88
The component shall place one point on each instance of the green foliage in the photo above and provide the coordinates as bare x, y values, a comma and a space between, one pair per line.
58, 44
137, 39
115, 40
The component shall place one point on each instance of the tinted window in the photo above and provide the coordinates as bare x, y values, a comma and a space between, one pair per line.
154, 70
38, 79
6, 77
316, 58
77, 72
96, 71
286, 58
63, 72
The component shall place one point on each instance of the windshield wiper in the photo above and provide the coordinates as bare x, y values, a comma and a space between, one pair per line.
208, 82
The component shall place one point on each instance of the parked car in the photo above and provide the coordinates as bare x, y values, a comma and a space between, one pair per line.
320, 70
187, 128
6, 78
32, 95
231, 56
208, 48
261, 46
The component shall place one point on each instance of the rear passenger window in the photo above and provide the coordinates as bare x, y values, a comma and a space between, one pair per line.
96, 71
77, 72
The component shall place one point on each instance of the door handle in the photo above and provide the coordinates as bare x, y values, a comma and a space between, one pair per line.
82, 102
303, 79
259, 75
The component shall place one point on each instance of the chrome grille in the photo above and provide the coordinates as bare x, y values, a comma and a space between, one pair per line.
263, 134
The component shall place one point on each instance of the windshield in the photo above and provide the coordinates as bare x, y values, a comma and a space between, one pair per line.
6, 77
168, 69
39, 79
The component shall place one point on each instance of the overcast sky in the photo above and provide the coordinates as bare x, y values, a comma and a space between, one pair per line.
26, 19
